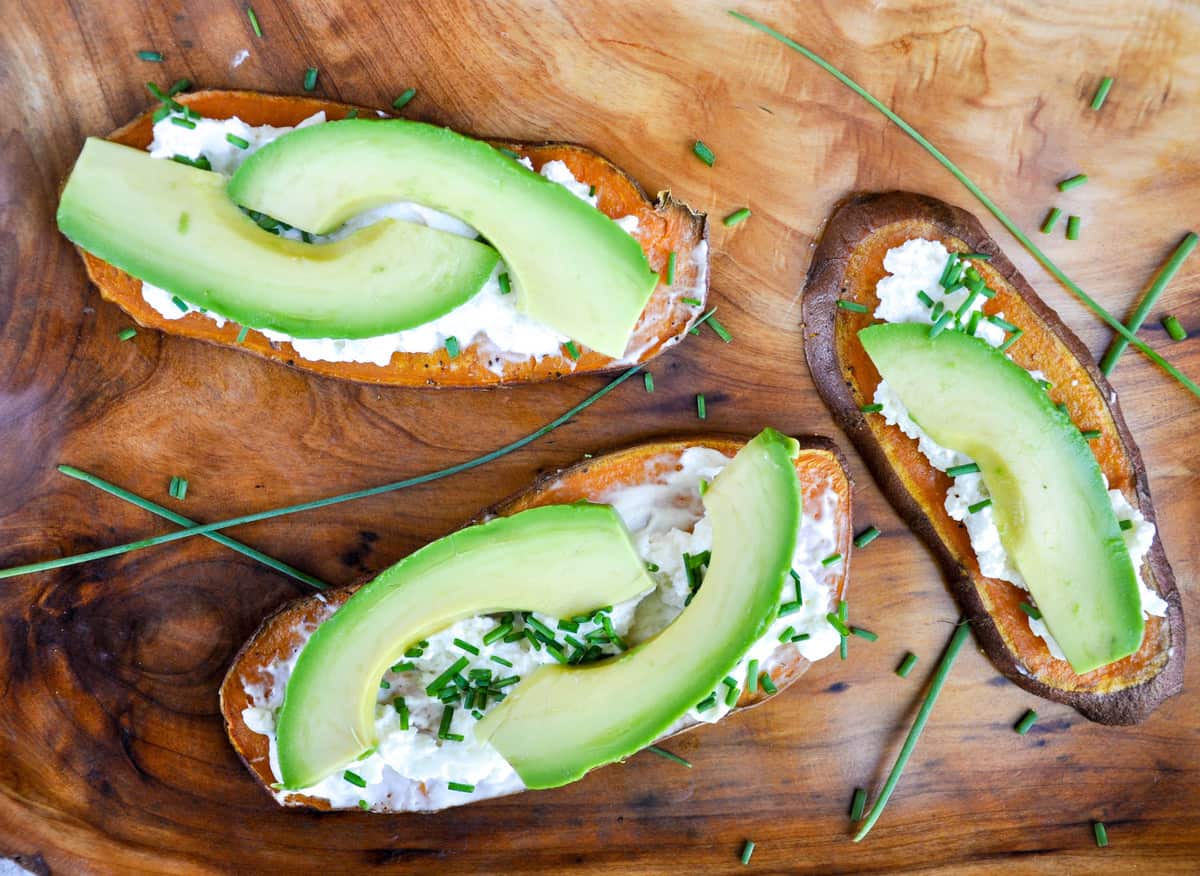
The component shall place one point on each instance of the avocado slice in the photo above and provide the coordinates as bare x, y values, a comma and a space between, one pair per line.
561, 560
1049, 499
561, 722
174, 226
577, 271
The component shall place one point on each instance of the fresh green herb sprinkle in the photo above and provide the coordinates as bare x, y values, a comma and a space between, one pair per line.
406, 666
1072, 228
831, 559
925, 299
460, 786
497, 634
178, 488
966, 305
1090, 434
553, 649
871, 408
663, 753
801, 637
692, 302
838, 624
858, 804
466, 646
1051, 220
973, 322
787, 634
949, 270
151, 56
178, 86
572, 350
865, 537
242, 333
254, 22
402, 101
1027, 721
1073, 182
1174, 328
842, 609
310, 78
940, 326
1101, 833
701, 406
183, 123
906, 665
737, 217
851, 305
126, 333
747, 851
648, 381
354, 779
938, 309
720, 330
452, 347
435, 686
1102, 92
447, 721
538, 626
364, 805
670, 278
977, 256
789, 608
1030, 610
765, 682
505, 283
709, 702
1125, 524
799, 586
979, 506
501, 661
704, 153
958, 470
476, 714
864, 634
384, 684
752, 676
401, 710
1012, 339
731, 696
161, 113
237, 141
353, 114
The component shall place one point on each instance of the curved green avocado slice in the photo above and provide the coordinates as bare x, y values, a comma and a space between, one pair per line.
561, 722
562, 560
576, 270
175, 227
1049, 499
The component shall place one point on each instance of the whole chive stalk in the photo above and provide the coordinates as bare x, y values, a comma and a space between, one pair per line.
858, 804
1027, 721
1100, 832
1102, 92
906, 665
1072, 228
747, 851
737, 217
1174, 328
673, 757
865, 537
151, 56
403, 100
851, 305
958, 470
702, 152
126, 333
671, 259
648, 381
310, 78
1165, 274
1051, 220
1073, 182
975, 190
254, 25
701, 406
961, 633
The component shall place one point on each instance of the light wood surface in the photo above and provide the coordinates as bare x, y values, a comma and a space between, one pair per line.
112, 757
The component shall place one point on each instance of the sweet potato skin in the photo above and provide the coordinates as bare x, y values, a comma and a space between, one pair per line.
847, 264
663, 227
820, 465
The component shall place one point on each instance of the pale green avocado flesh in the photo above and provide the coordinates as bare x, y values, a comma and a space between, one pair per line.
174, 226
1049, 498
561, 560
561, 721
575, 269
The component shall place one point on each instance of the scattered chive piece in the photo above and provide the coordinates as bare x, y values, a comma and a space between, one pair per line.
1073, 182
938, 309
505, 283
183, 123
201, 162
1012, 339
801, 637
709, 702
906, 665
701, 406
1174, 328
942, 321
353, 114
789, 608
799, 586
1030, 610
1102, 92
871, 408
498, 633
752, 676
447, 721
126, 333
181, 488
241, 338
692, 302
858, 804
765, 682
1125, 524
183, 223
572, 350
401, 710
648, 380
151, 56
1002, 323
178, 86
957, 470
402, 101
253, 21
787, 634
452, 347
384, 684
501, 661
865, 537
310, 78
831, 559
1072, 228
844, 648
838, 624
671, 274
977, 256
704, 153
979, 506
737, 217
948, 270
1051, 220
851, 305
720, 330
1027, 721
1090, 434
354, 779
442, 680
406, 666
161, 113
538, 626
925, 299
864, 634
662, 753
1101, 833
466, 646
364, 805
460, 786
747, 851
973, 323
514, 156
237, 141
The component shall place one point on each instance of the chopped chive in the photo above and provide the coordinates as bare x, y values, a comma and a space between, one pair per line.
865, 537
183, 123
310, 78
571, 626
1101, 833
1174, 328
354, 778
789, 608
505, 283
844, 648
384, 684
364, 805
1012, 339
406, 666
1030, 610
454, 737
966, 305
498, 633
178, 86
1090, 434
701, 406
442, 680
1027, 721
447, 721
864, 634
254, 22
948, 270
871, 408
670, 279
838, 624
1125, 524
906, 665
648, 381
126, 333
925, 299
942, 321
851, 305
731, 695
842, 609
452, 347
1051, 220
161, 113
164, 98
460, 786
858, 804
572, 350
973, 323
765, 682
720, 330
977, 256
501, 661
476, 714
737, 217
151, 56
958, 470
181, 489
979, 506
1072, 228
831, 559
538, 626
799, 586
241, 336
707, 703
703, 153
1062, 406
1102, 92
237, 141
787, 634
513, 155
405, 96
501, 683
1073, 182
553, 649
173, 487
353, 114
692, 302
801, 637
663, 753
938, 309
752, 676
466, 646
414, 651
747, 851
402, 711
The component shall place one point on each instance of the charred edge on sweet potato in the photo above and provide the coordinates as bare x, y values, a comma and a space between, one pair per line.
847, 264
663, 227
819, 466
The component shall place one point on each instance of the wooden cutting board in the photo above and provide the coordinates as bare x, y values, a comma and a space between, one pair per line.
112, 756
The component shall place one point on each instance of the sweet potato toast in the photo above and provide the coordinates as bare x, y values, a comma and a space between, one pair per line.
819, 466
848, 264
663, 227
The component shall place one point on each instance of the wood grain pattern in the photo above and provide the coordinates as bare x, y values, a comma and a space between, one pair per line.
112, 756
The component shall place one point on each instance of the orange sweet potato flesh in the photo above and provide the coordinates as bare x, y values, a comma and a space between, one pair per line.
663, 227
819, 467
848, 264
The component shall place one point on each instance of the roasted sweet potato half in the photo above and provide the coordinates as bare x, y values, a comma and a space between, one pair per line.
819, 467
664, 227
848, 264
